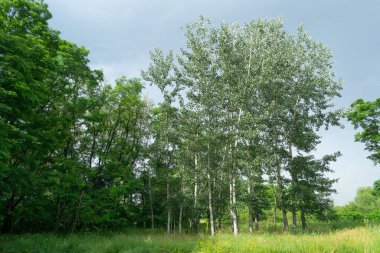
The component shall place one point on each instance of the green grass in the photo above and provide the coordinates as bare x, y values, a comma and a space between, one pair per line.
142, 241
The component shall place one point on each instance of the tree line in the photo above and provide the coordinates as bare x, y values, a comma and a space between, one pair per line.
235, 131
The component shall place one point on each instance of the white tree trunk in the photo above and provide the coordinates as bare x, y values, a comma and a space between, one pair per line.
210, 204
209, 185
294, 203
250, 211
233, 210
195, 223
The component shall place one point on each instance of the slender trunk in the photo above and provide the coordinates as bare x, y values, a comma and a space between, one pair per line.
274, 204
195, 223
210, 192
294, 204
10, 208
294, 218
77, 212
169, 218
285, 219
294, 207
281, 199
94, 134
303, 219
233, 210
220, 199
58, 216
250, 226
180, 220
257, 227
210, 204
180, 211
232, 147
173, 224
151, 201
250, 211
275, 212
7, 223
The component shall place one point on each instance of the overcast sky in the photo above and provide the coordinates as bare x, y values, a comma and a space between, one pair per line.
120, 34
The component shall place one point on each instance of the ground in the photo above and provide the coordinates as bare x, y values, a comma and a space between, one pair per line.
144, 241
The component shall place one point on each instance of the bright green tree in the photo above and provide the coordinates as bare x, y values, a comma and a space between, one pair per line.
366, 115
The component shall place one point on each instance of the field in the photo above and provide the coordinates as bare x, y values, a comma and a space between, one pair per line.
143, 241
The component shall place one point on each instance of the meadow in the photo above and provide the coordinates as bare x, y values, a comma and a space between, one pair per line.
350, 240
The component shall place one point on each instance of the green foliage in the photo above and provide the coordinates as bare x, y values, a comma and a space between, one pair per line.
77, 154
365, 206
253, 94
376, 188
366, 115
69, 143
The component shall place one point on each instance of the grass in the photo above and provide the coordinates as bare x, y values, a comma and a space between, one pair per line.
142, 241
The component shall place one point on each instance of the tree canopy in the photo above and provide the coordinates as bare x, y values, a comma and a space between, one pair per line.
234, 133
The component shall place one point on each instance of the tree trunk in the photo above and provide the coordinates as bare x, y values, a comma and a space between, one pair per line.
196, 220
257, 227
285, 219
294, 218
250, 211
250, 225
275, 213
7, 223
210, 204
58, 216
209, 186
233, 210
151, 201
77, 212
220, 184
233, 171
10, 207
169, 218
180, 212
294, 206
94, 134
303, 219
281, 199
274, 205
173, 224
180, 220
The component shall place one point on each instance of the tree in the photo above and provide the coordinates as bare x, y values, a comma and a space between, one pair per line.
27, 51
376, 188
251, 85
366, 115
71, 147
310, 187
160, 74
242, 104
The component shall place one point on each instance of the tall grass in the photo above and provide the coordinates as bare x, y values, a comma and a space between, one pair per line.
143, 241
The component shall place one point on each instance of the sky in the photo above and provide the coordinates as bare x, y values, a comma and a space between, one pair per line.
120, 34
